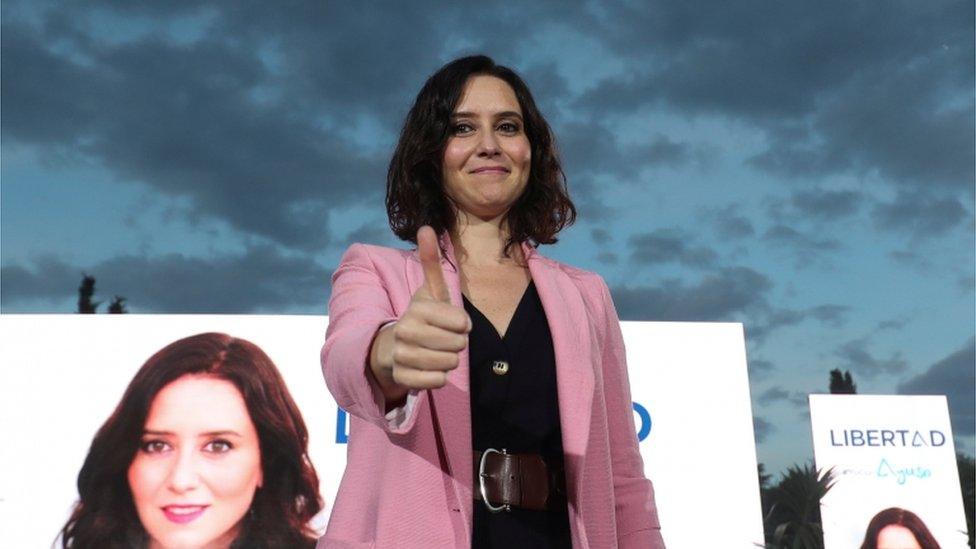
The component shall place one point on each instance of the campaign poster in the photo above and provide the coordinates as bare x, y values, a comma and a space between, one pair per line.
895, 468
63, 375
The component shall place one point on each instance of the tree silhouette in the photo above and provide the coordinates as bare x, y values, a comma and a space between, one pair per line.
842, 383
117, 306
764, 477
85, 304
793, 516
967, 479
85, 292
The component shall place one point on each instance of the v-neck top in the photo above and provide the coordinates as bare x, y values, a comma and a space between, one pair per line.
514, 405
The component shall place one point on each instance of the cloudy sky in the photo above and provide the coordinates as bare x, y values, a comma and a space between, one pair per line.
806, 168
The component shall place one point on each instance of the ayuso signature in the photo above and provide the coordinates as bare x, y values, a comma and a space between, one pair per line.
901, 475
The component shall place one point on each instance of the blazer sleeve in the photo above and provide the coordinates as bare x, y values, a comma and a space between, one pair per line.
636, 512
359, 306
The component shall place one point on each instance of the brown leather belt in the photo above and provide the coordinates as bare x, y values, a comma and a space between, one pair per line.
503, 480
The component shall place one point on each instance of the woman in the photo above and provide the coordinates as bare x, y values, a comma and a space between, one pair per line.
205, 449
487, 384
896, 528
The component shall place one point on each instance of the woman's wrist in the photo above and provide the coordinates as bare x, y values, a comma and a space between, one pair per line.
381, 367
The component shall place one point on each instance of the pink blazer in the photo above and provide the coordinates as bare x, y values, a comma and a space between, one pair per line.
409, 484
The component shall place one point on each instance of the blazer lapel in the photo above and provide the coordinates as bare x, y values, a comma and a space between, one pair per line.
566, 315
451, 403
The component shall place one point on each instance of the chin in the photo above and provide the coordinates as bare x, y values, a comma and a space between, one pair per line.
486, 214
189, 540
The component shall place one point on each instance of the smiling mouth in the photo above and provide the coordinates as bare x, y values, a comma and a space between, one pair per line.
183, 514
494, 169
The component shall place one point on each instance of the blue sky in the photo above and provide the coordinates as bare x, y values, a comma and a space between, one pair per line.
804, 168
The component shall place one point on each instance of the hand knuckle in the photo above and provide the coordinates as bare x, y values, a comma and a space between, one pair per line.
401, 355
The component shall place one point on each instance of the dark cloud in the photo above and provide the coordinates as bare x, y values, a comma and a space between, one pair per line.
377, 233
717, 297
967, 284
806, 248
669, 246
600, 236
893, 324
548, 87
269, 119
587, 195
608, 258
912, 123
839, 87
773, 394
827, 314
856, 357
831, 314
183, 119
591, 149
663, 151
778, 394
759, 368
762, 428
955, 377
736, 293
783, 235
910, 258
260, 280
827, 205
48, 279
264, 118
920, 214
729, 224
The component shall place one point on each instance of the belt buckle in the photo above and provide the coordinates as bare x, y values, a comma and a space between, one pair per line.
483, 488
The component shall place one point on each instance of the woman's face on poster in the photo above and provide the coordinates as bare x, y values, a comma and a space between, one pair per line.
198, 465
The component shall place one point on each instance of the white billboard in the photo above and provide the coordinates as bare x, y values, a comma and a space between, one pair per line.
61, 376
894, 464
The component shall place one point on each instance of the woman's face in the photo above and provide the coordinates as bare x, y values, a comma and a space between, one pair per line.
198, 465
488, 156
897, 537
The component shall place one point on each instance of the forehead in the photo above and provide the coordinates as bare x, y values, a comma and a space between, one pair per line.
198, 402
896, 537
485, 94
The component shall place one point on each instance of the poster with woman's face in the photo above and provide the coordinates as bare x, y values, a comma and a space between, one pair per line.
166, 431
896, 479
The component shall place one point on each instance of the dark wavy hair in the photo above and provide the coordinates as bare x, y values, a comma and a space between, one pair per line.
899, 517
105, 515
414, 185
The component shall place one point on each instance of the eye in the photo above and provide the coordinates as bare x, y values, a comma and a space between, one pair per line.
462, 128
154, 446
509, 127
218, 446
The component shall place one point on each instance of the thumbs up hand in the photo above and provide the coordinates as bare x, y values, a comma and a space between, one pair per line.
418, 351
434, 286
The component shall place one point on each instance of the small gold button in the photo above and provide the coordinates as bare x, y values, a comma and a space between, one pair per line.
499, 367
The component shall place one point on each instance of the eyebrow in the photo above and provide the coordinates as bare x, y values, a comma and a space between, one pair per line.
207, 434
503, 114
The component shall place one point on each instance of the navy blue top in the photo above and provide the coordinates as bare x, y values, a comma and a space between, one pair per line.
517, 411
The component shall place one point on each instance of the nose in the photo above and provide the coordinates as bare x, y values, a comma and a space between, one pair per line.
488, 146
183, 474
